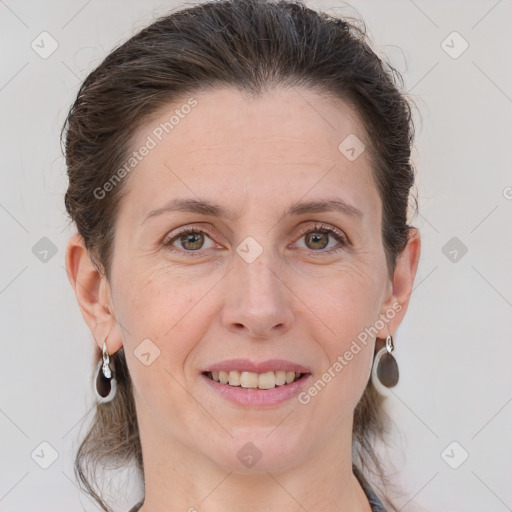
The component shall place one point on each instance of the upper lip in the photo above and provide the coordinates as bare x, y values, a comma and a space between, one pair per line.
245, 365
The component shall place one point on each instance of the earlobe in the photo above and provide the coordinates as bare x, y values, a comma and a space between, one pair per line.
92, 293
402, 283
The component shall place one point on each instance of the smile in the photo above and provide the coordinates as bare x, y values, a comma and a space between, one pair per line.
243, 388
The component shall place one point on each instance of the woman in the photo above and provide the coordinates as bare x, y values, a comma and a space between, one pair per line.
239, 175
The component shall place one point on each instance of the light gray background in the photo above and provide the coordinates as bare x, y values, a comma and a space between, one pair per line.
454, 348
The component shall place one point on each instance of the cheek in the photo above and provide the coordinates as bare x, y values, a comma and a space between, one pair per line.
169, 305
154, 305
344, 305
335, 393
345, 301
157, 298
165, 308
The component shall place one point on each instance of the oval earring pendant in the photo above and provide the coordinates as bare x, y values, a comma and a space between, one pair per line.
105, 389
103, 384
387, 369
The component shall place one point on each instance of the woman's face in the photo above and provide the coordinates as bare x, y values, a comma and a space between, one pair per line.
259, 281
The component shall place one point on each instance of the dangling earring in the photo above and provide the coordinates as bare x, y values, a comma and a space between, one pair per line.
106, 384
385, 367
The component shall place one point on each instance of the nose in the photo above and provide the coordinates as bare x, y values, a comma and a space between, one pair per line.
257, 300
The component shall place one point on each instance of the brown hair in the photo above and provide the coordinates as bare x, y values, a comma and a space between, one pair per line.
253, 46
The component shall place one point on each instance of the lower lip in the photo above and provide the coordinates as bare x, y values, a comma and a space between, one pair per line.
253, 397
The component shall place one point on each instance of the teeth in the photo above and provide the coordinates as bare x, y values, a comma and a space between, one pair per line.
290, 377
268, 380
234, 379
280, 377
248, 380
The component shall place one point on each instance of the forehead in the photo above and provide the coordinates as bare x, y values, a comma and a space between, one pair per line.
284, 144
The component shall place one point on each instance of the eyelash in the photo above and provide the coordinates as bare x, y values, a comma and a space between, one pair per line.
317, 228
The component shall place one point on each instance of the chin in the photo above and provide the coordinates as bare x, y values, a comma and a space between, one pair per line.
258, 454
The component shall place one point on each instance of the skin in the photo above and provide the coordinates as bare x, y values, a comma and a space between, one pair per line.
295, 301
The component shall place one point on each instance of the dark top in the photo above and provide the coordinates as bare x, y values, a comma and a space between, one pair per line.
375, 503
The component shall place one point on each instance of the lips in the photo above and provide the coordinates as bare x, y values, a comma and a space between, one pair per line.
257, 384
270, 394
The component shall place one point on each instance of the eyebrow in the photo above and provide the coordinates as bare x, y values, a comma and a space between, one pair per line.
299, 208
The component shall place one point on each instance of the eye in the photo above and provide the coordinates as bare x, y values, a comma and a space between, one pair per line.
317, 238
191, 240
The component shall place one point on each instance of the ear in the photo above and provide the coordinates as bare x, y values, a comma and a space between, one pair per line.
396, 304
93, 294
